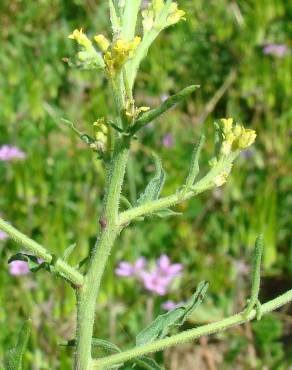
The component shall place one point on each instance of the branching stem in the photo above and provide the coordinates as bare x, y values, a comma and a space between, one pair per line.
70, 273
191, 334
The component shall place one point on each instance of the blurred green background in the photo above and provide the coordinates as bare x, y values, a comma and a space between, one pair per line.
54, 195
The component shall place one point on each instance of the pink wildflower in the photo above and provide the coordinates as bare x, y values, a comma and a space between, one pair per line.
17, 268
9, 153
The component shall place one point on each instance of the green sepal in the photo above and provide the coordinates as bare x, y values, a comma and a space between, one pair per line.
14, 357
153, 189
165, 212
162, 325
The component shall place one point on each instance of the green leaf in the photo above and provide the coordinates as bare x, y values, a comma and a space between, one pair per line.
194, 168
153, 189
165, 106
14, 357
68, 251
162, 325
147, 363
165, 212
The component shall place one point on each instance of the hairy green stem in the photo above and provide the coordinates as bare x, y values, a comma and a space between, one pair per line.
190, 335
70, 273
87, 295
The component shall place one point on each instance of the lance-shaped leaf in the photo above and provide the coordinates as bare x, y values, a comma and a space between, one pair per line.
153, 189
165, 106
195, 168
68, 251
256, 277
14, 357
162, 325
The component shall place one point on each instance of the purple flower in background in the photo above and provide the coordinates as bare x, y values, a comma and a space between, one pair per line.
168, 269
9, 153
3, 235
167, 141
158, 279
126, 269
17, 268
246, 153
277, 50
171, 305
155, 282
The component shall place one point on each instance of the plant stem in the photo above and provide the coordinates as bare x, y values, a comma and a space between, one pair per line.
38, 250
87, 295
189, 335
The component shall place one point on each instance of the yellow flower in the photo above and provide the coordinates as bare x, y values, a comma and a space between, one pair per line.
226, 124
246, 138
237, 130
175, 14
120, 52
102, 42
81, 38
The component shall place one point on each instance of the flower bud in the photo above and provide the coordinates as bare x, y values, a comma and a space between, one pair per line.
102, 42
81, 38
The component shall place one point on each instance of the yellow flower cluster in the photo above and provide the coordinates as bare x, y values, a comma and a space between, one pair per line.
80, 38
154, 11
117, 53
235, 136
175, 14
132, 112
101, 133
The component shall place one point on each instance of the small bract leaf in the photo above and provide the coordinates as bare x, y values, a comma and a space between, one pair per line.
68, 251
153, 189
14, 357
166, 212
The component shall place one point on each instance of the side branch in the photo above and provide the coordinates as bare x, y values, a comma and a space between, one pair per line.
191, 334
165, 106
38, 250
206, 183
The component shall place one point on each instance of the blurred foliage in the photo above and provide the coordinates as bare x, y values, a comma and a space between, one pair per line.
55, 195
